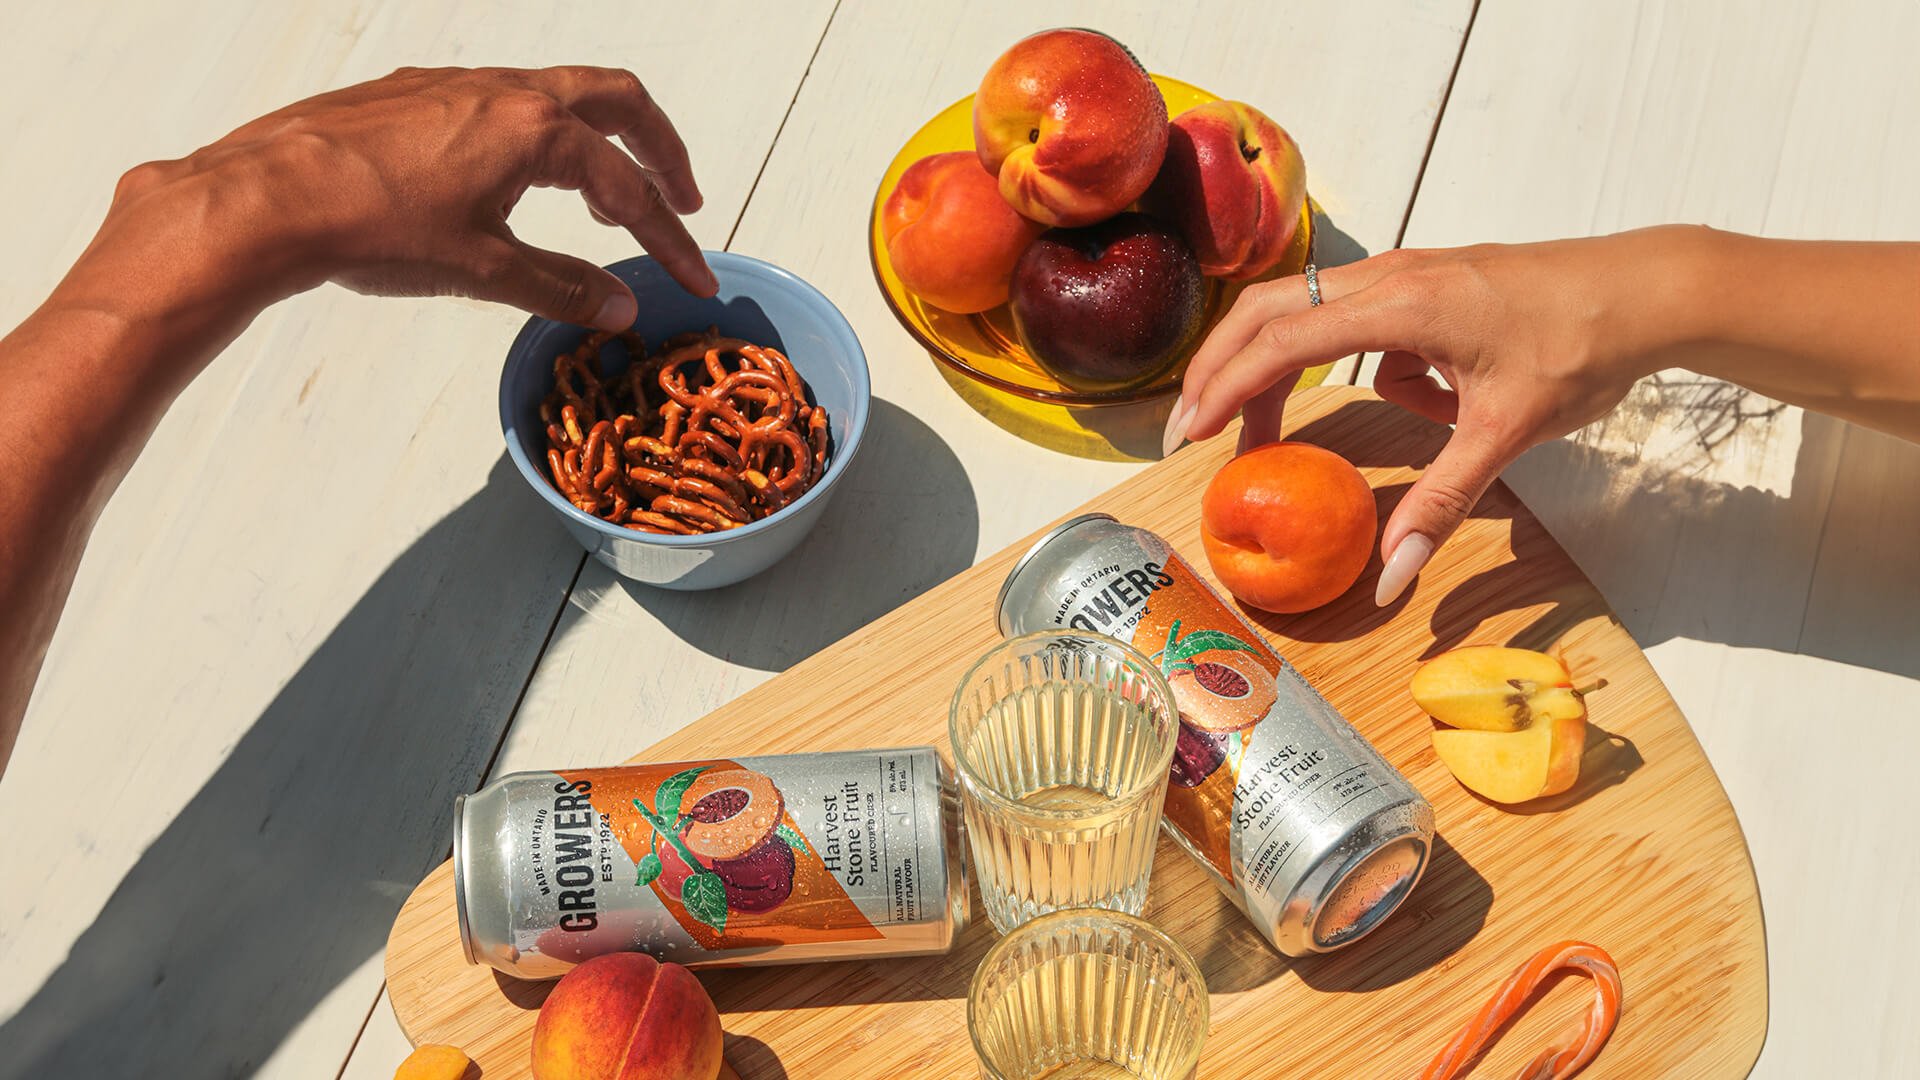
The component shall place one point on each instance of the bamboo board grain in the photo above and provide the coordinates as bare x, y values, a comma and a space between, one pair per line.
1643, 857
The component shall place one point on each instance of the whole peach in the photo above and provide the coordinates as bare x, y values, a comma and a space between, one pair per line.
626, 1016
1071, 125
1233, 182
1288, 526
950, 236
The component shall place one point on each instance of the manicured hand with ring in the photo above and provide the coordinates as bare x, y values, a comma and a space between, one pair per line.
1536, 340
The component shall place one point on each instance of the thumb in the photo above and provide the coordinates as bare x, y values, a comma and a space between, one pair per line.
1436, 505
555, 286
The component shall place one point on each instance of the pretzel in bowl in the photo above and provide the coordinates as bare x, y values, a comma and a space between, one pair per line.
709, 433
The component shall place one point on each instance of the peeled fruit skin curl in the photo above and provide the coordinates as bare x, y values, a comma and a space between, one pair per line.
1494, 688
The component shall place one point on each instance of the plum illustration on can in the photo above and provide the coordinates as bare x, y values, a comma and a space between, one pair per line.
720, 843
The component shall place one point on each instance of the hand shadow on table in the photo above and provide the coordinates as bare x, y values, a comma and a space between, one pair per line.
1749, 567
901, 521
282, 874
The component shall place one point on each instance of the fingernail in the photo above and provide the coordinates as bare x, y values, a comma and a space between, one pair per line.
1408, 557
1177, 425
617, 312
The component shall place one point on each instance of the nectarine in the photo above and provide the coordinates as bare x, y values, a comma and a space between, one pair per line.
1071, 125
950, 236
1288, 526
626, 1016
1233, 183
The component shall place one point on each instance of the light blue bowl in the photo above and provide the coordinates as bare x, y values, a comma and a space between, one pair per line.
758, 302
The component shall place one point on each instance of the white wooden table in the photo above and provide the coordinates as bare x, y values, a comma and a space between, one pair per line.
322, 604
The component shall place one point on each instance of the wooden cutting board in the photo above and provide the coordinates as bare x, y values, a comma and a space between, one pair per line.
1644, 857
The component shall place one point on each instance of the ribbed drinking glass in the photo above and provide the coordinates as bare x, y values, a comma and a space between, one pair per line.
1085, 994
1063, 742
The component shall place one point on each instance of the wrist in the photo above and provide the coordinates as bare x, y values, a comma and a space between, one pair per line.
182, 268
1667, 289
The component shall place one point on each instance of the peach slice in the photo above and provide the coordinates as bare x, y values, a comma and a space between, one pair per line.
1492, 688
1542, 758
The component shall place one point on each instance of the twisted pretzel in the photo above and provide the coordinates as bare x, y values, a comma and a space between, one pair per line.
1562, 1059
707, 434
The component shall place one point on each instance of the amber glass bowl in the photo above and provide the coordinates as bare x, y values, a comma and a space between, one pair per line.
983, 347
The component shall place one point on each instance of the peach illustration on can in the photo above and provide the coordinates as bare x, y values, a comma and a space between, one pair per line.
1223, 690
721, 844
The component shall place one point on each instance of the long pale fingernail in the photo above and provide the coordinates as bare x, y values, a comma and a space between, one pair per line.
617, 312
1405, 564
1177, 425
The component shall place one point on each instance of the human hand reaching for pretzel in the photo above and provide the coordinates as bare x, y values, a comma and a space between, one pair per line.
398, 186
402, 186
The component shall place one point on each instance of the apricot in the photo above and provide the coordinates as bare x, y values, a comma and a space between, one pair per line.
952, 240
626, 1016
1288, 526
1492, 688
1519, 726
1540, 759
434, 1061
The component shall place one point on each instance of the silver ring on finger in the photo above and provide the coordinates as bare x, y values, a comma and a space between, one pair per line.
1313, 285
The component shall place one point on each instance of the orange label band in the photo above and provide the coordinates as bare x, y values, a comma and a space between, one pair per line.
717, 845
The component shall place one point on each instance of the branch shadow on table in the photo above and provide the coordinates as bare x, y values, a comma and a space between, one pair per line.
1654, 527
903, 520
282, 875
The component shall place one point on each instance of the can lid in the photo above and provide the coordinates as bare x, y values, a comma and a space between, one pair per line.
1369, 891
1006, 587
460, 876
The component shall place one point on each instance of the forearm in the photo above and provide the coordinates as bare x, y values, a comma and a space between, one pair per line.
1831, 326
83, 382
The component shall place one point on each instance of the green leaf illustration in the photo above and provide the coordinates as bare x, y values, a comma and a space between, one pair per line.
1165, 655
649, 869
1204, 641
705, 896
794, 840
666, 801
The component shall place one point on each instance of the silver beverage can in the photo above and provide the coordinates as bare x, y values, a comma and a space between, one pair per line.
1291, 812
753, 860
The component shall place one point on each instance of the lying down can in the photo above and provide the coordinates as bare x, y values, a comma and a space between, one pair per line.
1295, 815
753, 860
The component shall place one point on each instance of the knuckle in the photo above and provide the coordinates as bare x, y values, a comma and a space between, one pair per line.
1266, 293
569, 296
1448, 498
141, 179
630, 85
1274, 338
527, 110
